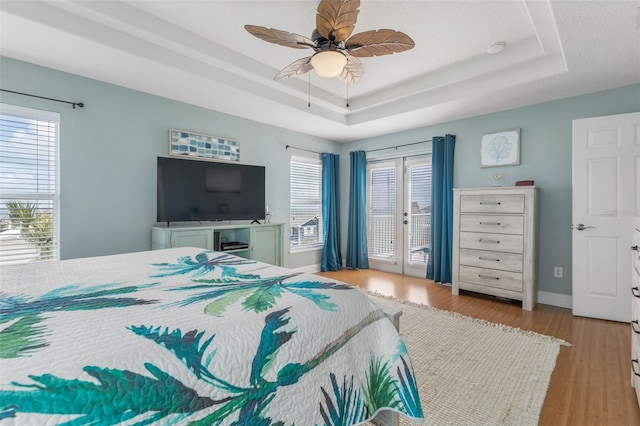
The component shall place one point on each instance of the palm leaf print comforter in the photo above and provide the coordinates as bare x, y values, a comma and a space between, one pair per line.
188, 336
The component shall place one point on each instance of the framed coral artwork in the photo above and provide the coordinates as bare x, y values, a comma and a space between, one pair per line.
500, 149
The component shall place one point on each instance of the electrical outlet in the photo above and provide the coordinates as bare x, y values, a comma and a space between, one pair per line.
557, 272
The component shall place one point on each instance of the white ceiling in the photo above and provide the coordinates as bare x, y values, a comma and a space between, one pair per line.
198, 52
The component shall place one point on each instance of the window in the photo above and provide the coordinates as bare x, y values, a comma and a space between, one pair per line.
28, 185
305, 203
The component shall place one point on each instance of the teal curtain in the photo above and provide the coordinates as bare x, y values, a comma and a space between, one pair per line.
331, 255
357, 254
441, 256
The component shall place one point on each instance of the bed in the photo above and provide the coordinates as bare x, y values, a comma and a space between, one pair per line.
189, 336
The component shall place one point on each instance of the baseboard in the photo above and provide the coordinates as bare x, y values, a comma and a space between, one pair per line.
544, 297
555, 299
309, 269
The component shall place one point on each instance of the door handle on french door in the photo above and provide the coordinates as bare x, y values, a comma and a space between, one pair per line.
581, 227
635, 248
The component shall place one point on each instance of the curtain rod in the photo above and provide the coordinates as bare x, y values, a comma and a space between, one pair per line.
370, 150
302, 149
398, 146
74, 104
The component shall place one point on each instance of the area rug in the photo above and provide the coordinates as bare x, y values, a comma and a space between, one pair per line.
474, 372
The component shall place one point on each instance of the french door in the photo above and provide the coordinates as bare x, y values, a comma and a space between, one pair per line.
399, 214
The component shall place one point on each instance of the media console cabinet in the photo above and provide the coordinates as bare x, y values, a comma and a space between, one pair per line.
262, 242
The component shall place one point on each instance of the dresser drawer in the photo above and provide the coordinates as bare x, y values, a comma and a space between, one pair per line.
636, 254
635, 380
635, 299
492, 242
492, 223
491, 278
492, 203
635, 364
635, 310
491, 259
635, 326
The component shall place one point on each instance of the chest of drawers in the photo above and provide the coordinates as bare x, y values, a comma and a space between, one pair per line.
635, 312
495, 242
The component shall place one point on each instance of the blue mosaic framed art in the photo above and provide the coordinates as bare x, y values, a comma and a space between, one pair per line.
196, 145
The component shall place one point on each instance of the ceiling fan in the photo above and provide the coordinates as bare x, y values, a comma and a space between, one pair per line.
336, 51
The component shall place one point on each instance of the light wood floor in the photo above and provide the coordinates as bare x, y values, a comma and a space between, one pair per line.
591, 382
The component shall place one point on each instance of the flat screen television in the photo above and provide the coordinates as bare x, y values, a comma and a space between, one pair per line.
193, 190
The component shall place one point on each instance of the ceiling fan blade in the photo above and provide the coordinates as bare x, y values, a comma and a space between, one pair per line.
378, 43
283, 38
298, 67
353, 71
336, 18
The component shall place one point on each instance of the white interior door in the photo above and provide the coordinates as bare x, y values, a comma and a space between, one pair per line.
606, 180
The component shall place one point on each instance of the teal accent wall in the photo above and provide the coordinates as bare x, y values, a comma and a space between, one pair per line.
109, 148
108, 153
545, 157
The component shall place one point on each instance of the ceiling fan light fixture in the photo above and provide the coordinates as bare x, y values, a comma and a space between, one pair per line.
329, 63
337, 50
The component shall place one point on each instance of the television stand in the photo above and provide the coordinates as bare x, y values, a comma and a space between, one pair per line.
257, 242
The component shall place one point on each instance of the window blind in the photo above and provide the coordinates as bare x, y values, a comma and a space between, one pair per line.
420, 212
382, 213
305, 203
29, 196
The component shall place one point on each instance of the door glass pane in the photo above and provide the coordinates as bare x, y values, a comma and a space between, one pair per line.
382, 213
420, 212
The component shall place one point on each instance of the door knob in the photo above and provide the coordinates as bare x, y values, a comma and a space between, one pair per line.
635, 248
581, 227
406, 222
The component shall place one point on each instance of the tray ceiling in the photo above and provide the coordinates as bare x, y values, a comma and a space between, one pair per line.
198, 52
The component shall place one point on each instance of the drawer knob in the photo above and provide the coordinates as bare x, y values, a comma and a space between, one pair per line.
482, 240
488, 277
634, 367
488, 258
635, 326
635, 291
